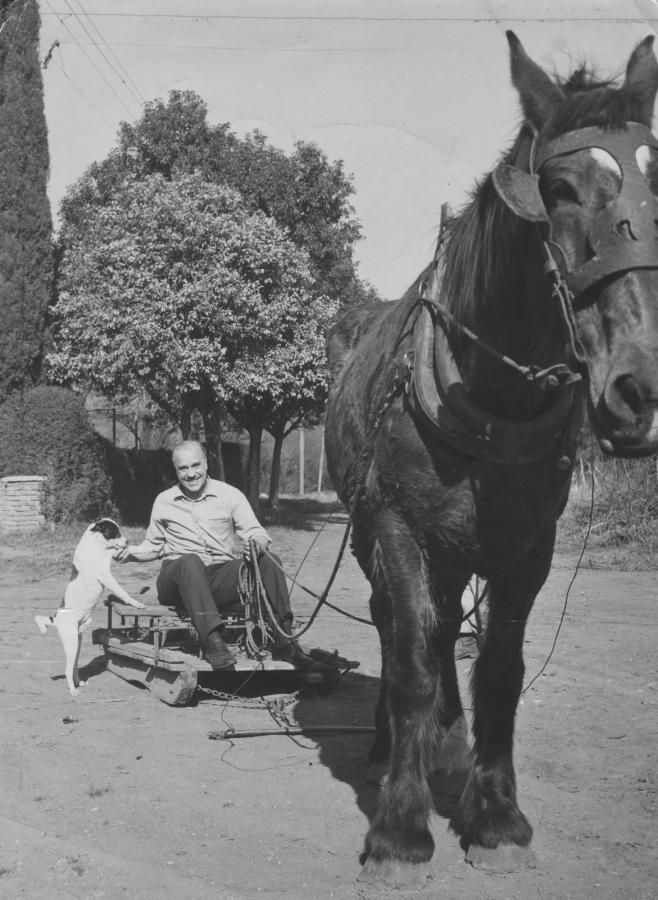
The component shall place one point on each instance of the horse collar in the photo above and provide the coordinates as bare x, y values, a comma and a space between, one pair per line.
438, 398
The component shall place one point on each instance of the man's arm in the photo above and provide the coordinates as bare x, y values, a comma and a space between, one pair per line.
153, 545
247, 526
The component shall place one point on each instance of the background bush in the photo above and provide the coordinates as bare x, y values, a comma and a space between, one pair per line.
624, 513
45, 431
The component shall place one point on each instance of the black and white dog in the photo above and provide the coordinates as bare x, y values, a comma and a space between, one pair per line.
90, 574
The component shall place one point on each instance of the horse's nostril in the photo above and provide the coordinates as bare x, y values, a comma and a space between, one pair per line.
630, 392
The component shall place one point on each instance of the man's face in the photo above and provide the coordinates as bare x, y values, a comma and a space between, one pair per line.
191, 469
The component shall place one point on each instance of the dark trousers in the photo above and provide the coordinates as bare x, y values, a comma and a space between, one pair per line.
209, 593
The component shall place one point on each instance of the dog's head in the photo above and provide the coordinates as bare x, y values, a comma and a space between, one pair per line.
110, 533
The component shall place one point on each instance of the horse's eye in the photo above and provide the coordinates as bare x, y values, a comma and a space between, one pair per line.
560, 191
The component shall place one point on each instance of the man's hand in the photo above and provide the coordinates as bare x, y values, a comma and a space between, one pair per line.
123, 555
260, 546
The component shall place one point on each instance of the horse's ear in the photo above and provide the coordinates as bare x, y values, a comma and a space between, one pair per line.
520, 191
641, 81
538, 93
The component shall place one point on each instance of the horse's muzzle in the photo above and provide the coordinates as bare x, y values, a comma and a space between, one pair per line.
626, 417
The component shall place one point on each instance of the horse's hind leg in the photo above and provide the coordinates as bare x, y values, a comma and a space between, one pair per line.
490, 820
454, 753
406, 617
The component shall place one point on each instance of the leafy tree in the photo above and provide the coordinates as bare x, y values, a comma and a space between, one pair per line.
305, 193
279, 384
25, 222
174, 288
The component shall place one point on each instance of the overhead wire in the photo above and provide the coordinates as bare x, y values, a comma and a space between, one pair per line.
82, 94
396, 20
128, 82
90, 58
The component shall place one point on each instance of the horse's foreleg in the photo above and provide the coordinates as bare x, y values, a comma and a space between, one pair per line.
489, 816
399, 832
380, 753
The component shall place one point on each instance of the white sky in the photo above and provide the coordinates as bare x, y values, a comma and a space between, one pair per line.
413, 95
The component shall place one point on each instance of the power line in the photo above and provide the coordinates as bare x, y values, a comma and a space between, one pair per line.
127, 81
102, 52
200, 17
224, 48
83, 95
91, 60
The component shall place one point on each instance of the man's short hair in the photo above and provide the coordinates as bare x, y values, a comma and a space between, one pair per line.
188, 445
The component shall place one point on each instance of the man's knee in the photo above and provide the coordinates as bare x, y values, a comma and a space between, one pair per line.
269, 562
183, 571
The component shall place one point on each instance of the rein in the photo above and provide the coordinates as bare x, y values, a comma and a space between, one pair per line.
547, 379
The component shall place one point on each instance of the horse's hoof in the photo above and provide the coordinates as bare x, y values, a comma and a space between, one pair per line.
377, 774
502, 859
394, 873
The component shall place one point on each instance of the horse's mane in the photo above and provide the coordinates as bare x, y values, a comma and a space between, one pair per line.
485, 237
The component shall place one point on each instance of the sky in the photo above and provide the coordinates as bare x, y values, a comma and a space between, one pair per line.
413, 95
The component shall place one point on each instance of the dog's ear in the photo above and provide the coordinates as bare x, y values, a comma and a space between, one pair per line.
108, 528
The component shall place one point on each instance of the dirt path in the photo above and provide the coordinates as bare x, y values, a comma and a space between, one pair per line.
116, 795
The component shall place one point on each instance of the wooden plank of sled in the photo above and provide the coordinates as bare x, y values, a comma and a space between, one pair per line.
175, 660
170, 659
175, 688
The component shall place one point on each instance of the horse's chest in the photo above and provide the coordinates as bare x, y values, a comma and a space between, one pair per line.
455, 501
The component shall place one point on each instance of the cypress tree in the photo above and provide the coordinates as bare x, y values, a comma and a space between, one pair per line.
26, 262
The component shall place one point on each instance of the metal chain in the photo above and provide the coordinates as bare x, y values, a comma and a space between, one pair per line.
251, 702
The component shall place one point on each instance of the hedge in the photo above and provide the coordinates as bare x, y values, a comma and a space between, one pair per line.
44, 431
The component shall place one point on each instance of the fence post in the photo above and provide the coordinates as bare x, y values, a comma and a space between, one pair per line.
321, 462
301, 462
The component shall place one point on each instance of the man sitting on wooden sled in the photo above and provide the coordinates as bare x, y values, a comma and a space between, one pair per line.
193, 529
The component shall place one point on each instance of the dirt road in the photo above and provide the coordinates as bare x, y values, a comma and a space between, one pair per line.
116, 795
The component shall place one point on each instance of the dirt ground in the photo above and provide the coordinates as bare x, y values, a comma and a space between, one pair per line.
116, 795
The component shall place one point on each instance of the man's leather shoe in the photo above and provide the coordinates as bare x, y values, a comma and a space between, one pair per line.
291, 652
217, 652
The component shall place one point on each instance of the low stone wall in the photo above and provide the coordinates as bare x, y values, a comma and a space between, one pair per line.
21, 502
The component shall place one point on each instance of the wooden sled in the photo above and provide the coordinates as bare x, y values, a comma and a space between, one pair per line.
157, 648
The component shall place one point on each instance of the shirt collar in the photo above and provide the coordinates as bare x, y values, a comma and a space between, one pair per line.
210, 490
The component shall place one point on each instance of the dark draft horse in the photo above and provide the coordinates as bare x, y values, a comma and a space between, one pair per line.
452, 428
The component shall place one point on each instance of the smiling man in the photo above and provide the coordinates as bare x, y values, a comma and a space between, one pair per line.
196, 528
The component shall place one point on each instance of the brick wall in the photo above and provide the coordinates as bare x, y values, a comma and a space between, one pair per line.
21, 501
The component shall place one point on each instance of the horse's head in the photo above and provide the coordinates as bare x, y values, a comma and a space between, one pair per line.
587, 174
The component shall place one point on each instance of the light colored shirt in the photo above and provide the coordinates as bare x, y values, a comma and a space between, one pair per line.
208, 525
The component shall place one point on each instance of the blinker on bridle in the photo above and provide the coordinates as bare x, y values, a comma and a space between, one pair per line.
622, 236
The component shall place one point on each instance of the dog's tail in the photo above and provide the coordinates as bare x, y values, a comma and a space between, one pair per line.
43, 622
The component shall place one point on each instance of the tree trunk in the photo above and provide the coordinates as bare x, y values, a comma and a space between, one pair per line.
188, 406
212, 421
253, 473
275, 474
